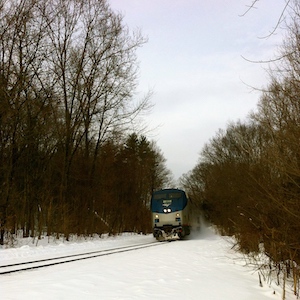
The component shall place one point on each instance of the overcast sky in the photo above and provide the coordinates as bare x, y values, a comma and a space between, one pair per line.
193, 62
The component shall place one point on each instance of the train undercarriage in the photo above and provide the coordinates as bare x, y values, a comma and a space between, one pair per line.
169, 232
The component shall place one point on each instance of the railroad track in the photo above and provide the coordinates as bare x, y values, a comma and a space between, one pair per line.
42, 263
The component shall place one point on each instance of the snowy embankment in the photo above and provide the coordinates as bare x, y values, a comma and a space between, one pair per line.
202, 267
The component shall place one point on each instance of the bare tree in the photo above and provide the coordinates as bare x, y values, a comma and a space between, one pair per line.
23, 108
68, 70
254, 4
93, 64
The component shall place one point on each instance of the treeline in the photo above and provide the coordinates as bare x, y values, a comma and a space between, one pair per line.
68, 164
248, 177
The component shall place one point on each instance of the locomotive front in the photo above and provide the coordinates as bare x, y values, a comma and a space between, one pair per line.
170, 214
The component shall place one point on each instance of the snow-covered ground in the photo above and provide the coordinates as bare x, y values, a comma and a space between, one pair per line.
202, 267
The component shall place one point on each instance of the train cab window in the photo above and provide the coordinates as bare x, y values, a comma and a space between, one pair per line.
160, 196
172, 200
175, 195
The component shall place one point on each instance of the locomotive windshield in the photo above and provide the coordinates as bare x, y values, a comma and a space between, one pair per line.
170, 199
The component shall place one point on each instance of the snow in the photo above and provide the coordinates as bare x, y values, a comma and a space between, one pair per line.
202, 267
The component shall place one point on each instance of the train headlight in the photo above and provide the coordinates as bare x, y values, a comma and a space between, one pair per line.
178, 215
169, 210
156, 216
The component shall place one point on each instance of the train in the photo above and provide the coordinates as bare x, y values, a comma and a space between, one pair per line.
171, 214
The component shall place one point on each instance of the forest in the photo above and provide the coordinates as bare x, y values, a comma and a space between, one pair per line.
73, 156
73, 159
247, 180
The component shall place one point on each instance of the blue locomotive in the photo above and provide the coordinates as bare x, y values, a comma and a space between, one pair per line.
170, 214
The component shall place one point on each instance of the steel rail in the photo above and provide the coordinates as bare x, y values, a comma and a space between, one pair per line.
73, 258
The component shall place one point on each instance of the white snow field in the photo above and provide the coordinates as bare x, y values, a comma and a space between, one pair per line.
202, 267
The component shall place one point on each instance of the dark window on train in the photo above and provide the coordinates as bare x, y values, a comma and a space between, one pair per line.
175, 195
160, 196
172, 195
173, 200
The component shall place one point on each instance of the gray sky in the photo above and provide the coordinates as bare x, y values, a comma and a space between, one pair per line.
193, 63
